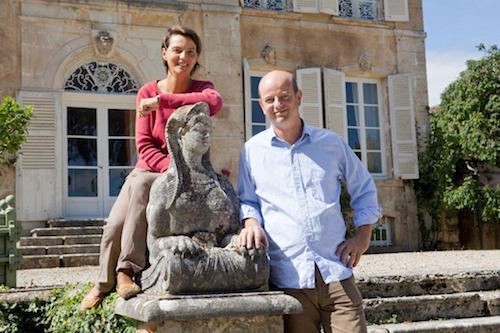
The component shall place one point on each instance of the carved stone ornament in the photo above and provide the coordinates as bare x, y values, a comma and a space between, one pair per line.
364, 61
193, 219
268, 52
103, 42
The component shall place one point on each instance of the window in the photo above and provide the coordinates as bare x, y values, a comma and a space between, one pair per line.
364, 132
381, 234
101, 77
360, 9
277, 5
255, 118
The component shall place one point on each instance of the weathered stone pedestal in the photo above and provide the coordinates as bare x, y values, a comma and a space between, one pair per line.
236, 312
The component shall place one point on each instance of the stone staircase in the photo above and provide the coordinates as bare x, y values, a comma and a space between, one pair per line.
63, 243
460, 303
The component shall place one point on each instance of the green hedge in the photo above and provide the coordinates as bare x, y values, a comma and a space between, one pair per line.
61, 313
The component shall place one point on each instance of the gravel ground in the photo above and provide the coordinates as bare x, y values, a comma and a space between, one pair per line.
371, 265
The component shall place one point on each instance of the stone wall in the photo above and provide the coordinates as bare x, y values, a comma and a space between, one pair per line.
10, 72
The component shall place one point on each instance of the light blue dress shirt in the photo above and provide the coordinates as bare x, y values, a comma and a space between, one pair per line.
294, 192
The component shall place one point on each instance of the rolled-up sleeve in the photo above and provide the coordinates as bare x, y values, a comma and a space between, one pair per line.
249, 201
361, 188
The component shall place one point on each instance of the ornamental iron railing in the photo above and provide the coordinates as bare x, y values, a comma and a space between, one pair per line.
101, 77
358, 9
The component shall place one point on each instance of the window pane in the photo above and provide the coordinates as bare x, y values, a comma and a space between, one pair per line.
116, 180
371, 116
122, 152
358, 154
82, 152
370, 93
257, 129
82, 121
82, 182
351, 91
352, 115
372, 139
257, 114
254, 83
353, 138
374, 162
121, 122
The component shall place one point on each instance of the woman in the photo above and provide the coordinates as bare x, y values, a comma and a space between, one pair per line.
123, 244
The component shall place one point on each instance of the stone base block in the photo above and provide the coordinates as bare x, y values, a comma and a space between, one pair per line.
255, 324
234, 312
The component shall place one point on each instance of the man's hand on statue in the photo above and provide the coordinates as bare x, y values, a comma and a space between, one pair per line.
252, 239
147, 105
180, 245
351, 250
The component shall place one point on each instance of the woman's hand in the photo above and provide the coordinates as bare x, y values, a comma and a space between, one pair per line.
147, 105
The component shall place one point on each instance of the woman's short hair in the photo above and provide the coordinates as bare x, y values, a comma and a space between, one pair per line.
187, 33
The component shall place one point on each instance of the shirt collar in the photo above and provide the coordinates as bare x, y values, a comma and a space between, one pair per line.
306, 134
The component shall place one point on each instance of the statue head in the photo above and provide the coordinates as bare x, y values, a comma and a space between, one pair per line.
194, 136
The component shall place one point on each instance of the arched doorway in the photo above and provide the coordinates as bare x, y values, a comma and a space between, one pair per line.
99, 150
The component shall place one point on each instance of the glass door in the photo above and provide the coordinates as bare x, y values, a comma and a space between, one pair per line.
99, 151
122, 153
84, 173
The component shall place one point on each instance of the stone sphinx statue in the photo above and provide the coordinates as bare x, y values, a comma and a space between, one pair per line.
193, 219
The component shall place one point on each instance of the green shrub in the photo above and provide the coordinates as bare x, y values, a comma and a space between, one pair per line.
13, 129
464, 136
62, 314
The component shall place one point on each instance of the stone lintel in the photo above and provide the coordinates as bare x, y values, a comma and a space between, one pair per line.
156, 308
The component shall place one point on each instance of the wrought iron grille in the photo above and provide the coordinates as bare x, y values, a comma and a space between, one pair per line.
101, 78
360, 9
276, 5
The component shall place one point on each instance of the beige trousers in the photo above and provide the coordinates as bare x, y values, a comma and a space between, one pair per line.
123, 243
337, 306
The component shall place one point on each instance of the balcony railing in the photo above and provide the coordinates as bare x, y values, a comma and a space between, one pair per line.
276, 5
358, 9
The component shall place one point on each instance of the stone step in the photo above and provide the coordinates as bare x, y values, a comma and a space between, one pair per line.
464, 325
56, 223
65, 260
63, 231
59, 249
394, 286
429, 307
60, 240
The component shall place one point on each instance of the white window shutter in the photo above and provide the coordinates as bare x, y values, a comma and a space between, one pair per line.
335, 113
248, 104
311, 108
36, 169
404, 142
329, 7
396, 10
306, 6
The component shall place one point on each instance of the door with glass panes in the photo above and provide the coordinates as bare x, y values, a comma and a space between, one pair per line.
99, 151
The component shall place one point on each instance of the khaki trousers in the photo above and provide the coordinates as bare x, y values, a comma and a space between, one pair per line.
123, 243
337, 306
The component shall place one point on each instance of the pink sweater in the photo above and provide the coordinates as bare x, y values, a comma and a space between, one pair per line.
150, 130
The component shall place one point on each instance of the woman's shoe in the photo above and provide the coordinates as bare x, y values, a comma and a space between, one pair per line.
128, 290
92, 299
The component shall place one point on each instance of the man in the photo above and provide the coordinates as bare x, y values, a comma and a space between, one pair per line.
289, 189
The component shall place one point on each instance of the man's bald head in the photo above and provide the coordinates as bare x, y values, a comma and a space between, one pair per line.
278, 75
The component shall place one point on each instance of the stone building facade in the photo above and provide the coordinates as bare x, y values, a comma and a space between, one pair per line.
360, 63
